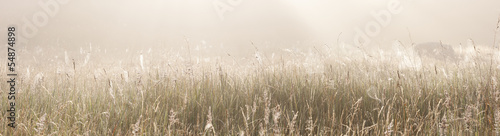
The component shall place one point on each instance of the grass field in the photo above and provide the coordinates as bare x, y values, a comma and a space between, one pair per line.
295, 92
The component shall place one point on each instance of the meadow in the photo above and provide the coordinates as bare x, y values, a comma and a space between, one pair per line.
322, 90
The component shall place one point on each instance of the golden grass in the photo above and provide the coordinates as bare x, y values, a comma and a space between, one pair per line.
287, 95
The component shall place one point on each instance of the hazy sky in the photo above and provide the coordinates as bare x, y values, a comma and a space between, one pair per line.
141, 23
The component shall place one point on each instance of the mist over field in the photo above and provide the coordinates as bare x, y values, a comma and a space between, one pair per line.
250, 67
130, 23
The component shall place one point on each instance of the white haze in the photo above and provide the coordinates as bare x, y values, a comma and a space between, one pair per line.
281, 23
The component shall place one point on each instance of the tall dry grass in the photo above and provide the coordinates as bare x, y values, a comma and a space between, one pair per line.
295, 92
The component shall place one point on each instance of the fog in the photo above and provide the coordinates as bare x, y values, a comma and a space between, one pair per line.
236, 23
